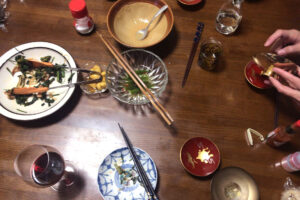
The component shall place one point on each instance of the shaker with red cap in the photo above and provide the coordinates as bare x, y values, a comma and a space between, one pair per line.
83, 23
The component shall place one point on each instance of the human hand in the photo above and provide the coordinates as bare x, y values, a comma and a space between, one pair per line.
290, 82
284, 42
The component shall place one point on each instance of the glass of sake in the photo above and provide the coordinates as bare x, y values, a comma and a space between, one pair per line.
229, 17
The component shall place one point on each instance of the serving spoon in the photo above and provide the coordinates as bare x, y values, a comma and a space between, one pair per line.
141, 34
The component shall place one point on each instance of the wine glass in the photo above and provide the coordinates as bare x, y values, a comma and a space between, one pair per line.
43, 166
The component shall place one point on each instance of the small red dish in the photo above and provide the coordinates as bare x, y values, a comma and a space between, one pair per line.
253, 75
189, 2
200, 156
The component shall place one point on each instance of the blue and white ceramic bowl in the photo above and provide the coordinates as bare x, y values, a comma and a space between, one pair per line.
109, 180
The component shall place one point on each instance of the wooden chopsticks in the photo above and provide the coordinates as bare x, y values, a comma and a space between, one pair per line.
141, 85
147, 184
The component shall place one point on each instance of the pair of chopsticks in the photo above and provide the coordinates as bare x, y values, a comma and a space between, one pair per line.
141, 85
197, 37
147, 184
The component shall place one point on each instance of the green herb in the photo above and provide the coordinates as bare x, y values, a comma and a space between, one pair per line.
119, 169
58, 76
38, 75
21, 111
9, 70
24, 64
34, 99
44, 76
70, 78
45, 58
47, 100
131, 87
48, 82
23, 99
52, 59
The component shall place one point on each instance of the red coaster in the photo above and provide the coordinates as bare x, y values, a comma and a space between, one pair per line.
200, 157
253, 75
189, 2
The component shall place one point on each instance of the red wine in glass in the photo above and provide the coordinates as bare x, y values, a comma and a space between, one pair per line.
44, 166
48, 169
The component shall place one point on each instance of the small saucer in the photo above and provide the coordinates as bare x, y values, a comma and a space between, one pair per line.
200, 156
253, 75
189, 2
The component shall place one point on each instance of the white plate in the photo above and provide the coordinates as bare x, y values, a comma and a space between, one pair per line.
109, 180
10, 108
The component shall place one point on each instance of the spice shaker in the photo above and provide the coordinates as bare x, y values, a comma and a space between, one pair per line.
83, 23
282, 135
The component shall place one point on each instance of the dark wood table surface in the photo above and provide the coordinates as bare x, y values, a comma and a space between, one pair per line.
218, 105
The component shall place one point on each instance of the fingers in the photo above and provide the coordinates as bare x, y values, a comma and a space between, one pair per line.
289, 50
290, 67
292, 80
273, 37
285, 89
288, 36
285, 65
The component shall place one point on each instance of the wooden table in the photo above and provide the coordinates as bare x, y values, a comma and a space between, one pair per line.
218, 105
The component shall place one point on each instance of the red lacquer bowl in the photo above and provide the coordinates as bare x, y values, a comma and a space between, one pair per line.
200, 156
189, 2
253, 75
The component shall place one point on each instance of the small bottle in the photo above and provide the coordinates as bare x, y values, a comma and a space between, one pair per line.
83, 23
291, 162
282, 135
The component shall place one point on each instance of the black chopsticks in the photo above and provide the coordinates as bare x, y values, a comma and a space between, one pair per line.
197, 37
147, 185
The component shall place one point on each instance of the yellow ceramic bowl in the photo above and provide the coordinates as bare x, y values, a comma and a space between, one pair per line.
126, 17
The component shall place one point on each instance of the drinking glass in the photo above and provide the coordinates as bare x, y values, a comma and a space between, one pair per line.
210, 52
43, 166
229, 17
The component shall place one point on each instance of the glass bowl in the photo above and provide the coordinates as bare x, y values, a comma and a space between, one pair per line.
151, 69
91, 92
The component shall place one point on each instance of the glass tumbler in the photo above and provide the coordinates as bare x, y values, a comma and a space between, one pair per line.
210, 52
229, 17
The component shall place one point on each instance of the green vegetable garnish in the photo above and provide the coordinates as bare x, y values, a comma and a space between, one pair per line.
8, 70
131, 87
45, 58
